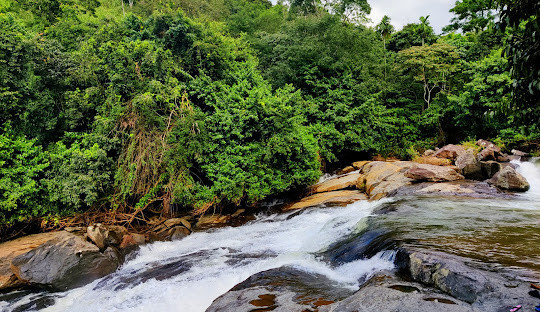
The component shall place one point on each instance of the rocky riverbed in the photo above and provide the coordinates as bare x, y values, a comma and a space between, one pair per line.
455, 237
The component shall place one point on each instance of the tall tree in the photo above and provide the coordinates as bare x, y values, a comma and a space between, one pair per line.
424, 28
385, 29
472, 15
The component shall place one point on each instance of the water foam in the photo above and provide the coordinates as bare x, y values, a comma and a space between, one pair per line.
216, 260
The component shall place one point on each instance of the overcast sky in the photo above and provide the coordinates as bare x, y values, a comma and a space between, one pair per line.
403, 12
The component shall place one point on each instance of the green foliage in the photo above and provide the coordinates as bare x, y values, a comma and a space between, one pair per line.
472, 15
22, 164
412, 35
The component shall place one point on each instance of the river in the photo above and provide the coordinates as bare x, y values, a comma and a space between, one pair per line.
187, 275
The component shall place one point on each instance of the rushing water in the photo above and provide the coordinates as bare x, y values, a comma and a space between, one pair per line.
188, 275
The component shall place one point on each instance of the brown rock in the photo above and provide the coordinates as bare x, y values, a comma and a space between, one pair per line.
346, 170
469, 166
132, 240
487, 154
488, 145
177, 221
212, 220
11, 249
336, 198
431, 160
433, 173
503, 158
519, 153
358, 165
389, 185
509, 179
450, 151
104, 236
429, 152
179, 232
344, 182
376, 172
489, 168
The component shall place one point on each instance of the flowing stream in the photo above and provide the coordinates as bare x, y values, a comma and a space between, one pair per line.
187, 275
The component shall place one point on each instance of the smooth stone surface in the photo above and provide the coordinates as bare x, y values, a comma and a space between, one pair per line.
335, 198
449, 151
469, 166
432, 160
66, 262
340, 183
104, 236
433, 173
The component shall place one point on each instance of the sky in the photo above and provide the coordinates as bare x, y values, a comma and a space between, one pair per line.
402, 12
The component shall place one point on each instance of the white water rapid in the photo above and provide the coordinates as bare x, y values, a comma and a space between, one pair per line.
187, 275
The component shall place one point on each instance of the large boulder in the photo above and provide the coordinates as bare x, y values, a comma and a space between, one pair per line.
509, 179
449, 151
376, 172
335, 198
358, 165
340, 183
65, 262
422, 172
11, 249
460, 188
489, 168
487, 154
106, 235
469, 166
431, 160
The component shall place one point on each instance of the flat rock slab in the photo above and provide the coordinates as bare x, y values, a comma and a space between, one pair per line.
14, 248
340, 183
423, 172
462, 188
335, 198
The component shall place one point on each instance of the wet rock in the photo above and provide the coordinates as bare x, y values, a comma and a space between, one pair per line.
432, 160
347, 169
11, 249
432, 173
487, 154
519, 153
344, 182
169, 223
461, 188
449, 151
335, 198
359, 246
503, 158
65, 262
132, 240
104, 236
509, 179
455, 276
376, 172
178, 233
469, 166
489, 168
386, 292
389, 186
212, 220
488, 145
283, 289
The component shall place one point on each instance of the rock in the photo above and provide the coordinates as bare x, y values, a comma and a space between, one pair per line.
376, 172
358, 165
212, 220
132, 240
489, 168
431, 160
503, 158
519, 153
429, 152
456, 276
283, 289
106, 235
11, 249
432, 173
469, 166
179, 232
449, 151
389, 186
169, 223
344, 182
386, 292
335, 198
460, 188
509, 179
487, 154
346, 170
488, 145
65, 262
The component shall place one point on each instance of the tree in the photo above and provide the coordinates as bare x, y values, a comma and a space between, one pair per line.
385, 29
472, 15
432, 66
410, 36
424, 28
